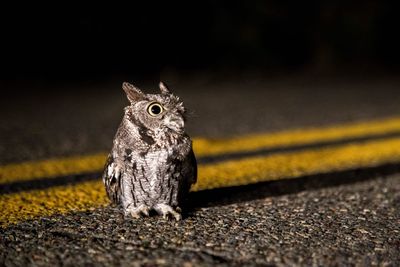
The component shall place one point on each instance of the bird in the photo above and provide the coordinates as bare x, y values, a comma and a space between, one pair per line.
151, 166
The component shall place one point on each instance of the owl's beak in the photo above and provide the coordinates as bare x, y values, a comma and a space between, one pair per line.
175, 123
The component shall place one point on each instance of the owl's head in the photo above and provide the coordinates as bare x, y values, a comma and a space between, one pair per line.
163, 111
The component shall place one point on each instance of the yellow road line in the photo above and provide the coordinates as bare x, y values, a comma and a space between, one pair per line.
54, 200
62, 199
202, 147
296, 164
51, 168
207, 147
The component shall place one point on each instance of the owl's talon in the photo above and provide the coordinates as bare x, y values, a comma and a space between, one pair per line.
145, 212
166, 211
138, 211
135, 215
177, 216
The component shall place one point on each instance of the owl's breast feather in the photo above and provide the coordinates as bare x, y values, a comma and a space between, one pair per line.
156, 165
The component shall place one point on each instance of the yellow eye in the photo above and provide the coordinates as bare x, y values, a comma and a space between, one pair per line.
155, 109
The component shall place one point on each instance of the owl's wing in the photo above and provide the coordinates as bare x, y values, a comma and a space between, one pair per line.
112, 179
189, 168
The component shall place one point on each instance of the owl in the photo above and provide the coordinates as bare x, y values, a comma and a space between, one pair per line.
151, 165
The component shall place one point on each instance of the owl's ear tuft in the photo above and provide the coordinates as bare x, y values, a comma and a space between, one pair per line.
132, 92
164, 88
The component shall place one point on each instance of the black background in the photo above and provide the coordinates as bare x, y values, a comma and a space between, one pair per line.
144, 39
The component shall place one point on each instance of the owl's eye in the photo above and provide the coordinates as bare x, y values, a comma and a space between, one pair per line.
155, 109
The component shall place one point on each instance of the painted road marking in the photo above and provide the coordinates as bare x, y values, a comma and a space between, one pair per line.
297, 164
205, 148
46, 182
83, 196
51, 168
55, 200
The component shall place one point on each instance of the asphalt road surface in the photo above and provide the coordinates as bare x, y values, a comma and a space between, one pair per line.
338, 218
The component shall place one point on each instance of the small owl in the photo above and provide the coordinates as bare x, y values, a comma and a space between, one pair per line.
151, 165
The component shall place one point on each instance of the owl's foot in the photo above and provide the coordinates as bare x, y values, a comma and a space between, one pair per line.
137, 212
166, 210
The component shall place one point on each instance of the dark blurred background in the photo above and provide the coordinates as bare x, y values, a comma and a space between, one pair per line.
147, 38
240, 66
